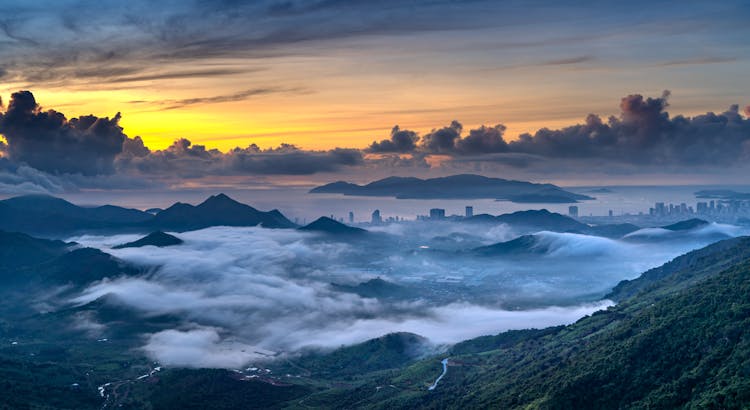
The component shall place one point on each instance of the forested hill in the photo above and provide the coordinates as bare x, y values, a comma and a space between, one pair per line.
687, 348
679, 339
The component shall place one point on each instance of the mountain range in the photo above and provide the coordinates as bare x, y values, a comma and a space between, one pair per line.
48, 216
465, 186
677, 338
217, 210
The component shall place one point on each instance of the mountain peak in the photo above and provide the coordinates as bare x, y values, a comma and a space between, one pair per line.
686, 225
220, 198
328, 225
223, 201
156, 238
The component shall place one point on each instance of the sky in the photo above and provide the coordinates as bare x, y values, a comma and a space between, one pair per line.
178, 94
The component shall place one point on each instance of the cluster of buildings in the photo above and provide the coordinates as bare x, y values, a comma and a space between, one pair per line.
377, 219
708, 208
435, 214
724, 211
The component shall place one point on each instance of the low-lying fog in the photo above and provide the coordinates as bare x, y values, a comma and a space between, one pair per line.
243, 292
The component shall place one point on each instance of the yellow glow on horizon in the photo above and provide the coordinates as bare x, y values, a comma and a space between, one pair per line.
315, 121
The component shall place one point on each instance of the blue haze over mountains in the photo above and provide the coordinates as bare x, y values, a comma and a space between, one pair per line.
226, 285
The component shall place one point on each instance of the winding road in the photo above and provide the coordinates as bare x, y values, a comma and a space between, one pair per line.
445, 370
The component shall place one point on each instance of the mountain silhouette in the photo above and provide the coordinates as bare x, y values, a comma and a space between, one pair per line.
328, 225
25, 260
542, 219
158, 238
523, 245
47, 215
464, 186
18, 249
217, 210
686, 225
533, 219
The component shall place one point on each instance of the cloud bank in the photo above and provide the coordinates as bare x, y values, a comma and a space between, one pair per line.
242, 294
46, 152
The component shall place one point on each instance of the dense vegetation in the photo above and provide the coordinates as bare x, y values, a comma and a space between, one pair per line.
689, 347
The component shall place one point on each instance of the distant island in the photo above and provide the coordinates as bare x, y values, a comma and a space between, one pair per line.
465, 186
721, 194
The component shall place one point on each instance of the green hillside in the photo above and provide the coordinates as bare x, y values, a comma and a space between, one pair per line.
688, 348
679, 337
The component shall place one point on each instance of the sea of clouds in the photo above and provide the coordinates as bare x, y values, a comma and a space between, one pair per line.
244, 294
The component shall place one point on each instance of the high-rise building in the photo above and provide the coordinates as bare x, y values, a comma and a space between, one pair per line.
376, 219
573, 211
611, 213
469, 211
437, 213
660, 209
351, 217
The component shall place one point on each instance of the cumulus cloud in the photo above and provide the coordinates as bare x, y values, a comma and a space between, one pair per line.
22, 179
401, 141
48, 141
188, 160
287, 159
442, 140
645, 134
480, 141
246, 293
47, 152
446, 140
483, 140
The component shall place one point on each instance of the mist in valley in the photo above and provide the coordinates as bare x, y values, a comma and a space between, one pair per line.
247, 294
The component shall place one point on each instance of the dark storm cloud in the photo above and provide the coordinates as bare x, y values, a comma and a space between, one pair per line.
442, 140
483, 140
401, 141
445, 141
134, 148
45, 151
645, 134
290, 160
186, 160
48, 141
